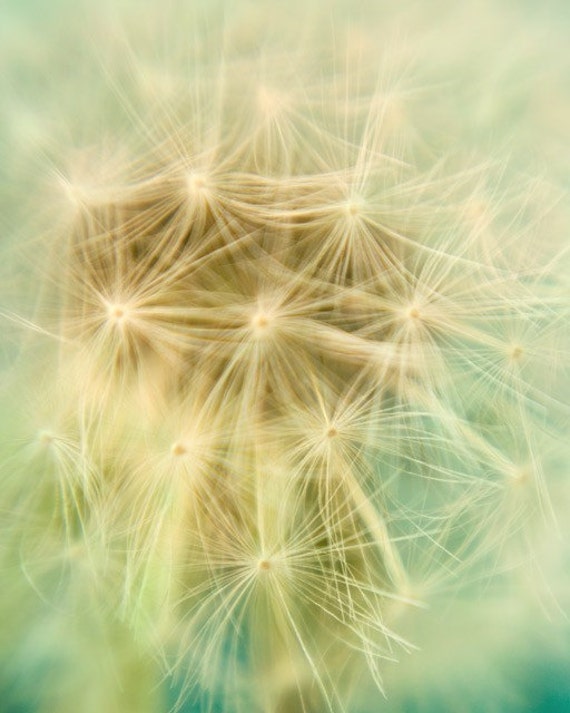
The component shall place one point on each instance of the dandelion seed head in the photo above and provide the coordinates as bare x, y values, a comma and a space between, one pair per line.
279, 315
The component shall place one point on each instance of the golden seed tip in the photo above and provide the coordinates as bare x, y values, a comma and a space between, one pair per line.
352, 208
117, 312
196, 183
270, 102
45, 438
522, 476
178, 449
260, 321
